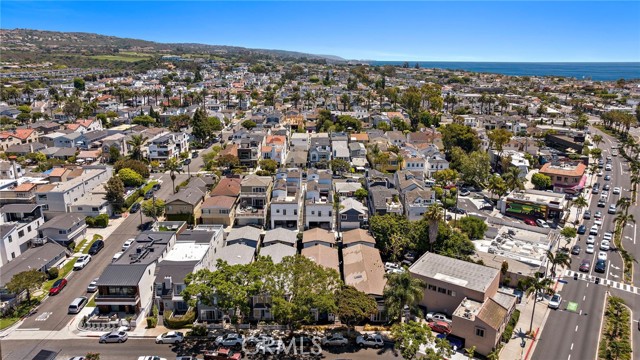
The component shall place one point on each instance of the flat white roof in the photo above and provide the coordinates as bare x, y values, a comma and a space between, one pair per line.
187, 251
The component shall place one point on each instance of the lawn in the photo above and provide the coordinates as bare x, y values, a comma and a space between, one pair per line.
22, 310
66, 269
95, 237
120, 58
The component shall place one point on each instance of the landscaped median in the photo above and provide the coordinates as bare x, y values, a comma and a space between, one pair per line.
615, 340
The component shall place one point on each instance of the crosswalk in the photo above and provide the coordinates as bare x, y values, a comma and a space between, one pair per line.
604, 282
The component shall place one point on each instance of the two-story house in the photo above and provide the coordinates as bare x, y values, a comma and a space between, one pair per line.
319, 149
435, 163
64, 229
254, 200
319, 245
249, 148
285, 206
300, 141
469, 293
18, 194
10, 170
319, 207
417, 201
168, 146
364, 270
383, 200
245, 235
185, 205
18, 227
275, 148
220, 208
352, 214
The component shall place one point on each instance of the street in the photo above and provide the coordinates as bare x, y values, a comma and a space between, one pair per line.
576, 335
24, 349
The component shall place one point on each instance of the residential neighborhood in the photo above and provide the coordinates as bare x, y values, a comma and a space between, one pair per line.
216, 197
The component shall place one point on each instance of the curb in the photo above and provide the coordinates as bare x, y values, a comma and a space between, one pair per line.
535, 337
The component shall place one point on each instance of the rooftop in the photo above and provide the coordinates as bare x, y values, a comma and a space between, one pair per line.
457, 272
187, 251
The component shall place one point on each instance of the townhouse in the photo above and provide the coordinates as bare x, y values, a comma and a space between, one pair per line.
18, 227
168, 146
254, 200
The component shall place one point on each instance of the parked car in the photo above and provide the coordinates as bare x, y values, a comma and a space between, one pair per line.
222, 353
555, 301
114, 337
259, 338
612, 209
335, 340
148, 195
156, 187
594, 230
135, 207
187, 161
585, 265
96, 247
587, 215
93, 285
150, 357
591, 239
541, 223
601, 266
582, 230
598, 214
530, 222
81, 262
442, 327
117, 256
606, 187
171, 337
605, 245
57, 286
127, 243
602, 202
437, 317
465, 192
230, 340
602, 255
194, 154
575, 250
607, 236
590, 249
616, 191
607, 178
370, 340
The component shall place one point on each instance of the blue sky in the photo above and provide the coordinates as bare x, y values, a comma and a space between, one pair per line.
453, 31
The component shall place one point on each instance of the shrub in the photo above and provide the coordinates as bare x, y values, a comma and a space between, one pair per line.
53, 273
130, 177
508, 330
90, 221
71, 246
151, 322
199, 330
102, 220
178, 323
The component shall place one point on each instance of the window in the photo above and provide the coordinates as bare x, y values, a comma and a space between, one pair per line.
278, 211
319, 213
480, 332
62, 232
42, 196
431, 287
224, 211
79, 208
13, 255
360, 217
95, 209
442, 290
344, 217
29, 228
10, 239
295, 212
313, 213
284, 212
21, 233
451, 293
45, 207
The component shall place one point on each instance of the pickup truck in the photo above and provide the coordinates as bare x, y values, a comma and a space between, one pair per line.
230, 340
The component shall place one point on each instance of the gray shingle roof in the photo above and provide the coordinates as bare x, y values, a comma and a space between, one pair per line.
122, 275
64, 221
245, 232
461, 273
280, 234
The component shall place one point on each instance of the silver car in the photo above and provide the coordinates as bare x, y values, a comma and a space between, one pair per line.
114, 337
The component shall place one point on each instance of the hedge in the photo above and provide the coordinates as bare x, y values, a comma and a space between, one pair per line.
179, 323
188, 218
100, 221
508, 330
133, 198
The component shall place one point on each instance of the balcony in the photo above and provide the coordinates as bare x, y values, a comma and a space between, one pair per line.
250, 212
253, 194
117, 299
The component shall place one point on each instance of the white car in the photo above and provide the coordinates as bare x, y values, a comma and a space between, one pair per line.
151, 357
604, 245
541, 223
555, 301
607, 236
593, 230
598, 222
335, 340
127, 243
93, 286
608, 167
81, 262
602, 255
600, 173
616, 191
591, 239
590, 249
370, 340
437, 317
171, 337
116, 256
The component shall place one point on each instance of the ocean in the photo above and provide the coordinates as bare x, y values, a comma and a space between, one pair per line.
609, 71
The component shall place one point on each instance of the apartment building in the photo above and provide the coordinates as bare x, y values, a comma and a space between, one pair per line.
254, 199
18, 227
168, 146
285, 206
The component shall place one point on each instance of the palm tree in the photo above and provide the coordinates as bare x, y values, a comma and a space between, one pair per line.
580, 203
434, 215
512, 179
496, 185
536, 286
136, 142
558, 259
624, 204
597, 139
623, 219
402, 290
174, 167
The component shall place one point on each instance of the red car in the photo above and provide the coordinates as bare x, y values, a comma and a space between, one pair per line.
530, 222
442, 327
57, 287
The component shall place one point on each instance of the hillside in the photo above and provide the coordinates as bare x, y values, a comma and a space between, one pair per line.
16, 42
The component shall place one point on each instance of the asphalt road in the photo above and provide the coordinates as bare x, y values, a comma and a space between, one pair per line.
566, 334
24, 350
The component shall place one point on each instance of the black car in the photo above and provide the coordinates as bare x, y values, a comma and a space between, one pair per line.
194, 155
601, 266
156, 187
187, 161
96, 247
148, 195
582, 229
134, 208
575, 250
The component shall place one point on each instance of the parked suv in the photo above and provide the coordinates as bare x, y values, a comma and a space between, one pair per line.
96, 247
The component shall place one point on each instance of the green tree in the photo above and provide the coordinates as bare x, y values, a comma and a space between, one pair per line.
130, 177
475, 169
580, 203
136, 142
92, 356
402, 290
354, 306
115, 192
361, 194
201, 127
472, 226
114, 154
541, 181
269, 165
434, 215
28, 281
461, 136
229, 161
568, 232
340, 165
248, 124
153, 208
409, 336
138, 166
384, 227
79, 84
498, 138
173, 166
512, 179
536, 287
144, 120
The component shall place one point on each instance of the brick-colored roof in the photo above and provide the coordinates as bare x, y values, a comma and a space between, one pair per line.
227, 187
360, 137
224, 202
24, 187
356, 235
276, 139
492, 313
577, 170
363, 269
59, 171
21, 134
73, 126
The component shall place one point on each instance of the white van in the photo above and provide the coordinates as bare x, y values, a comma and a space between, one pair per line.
117, 256
77, 304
